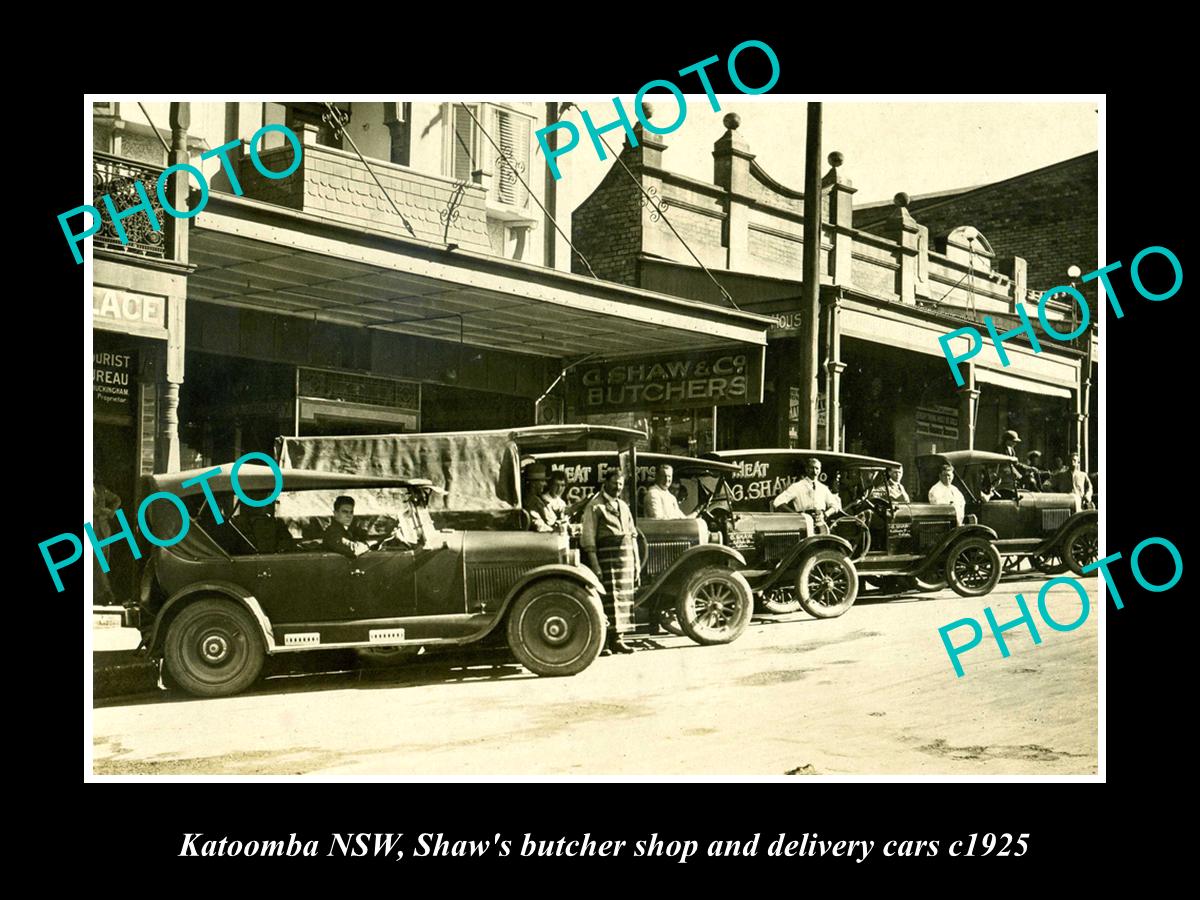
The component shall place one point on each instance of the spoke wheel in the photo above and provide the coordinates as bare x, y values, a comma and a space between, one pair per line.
384, 657
668, 619
1050, 564
715, 606
214, 649
1081, 547
855, 531
826, 584
973, 567
556, 627
781, 601
925, 583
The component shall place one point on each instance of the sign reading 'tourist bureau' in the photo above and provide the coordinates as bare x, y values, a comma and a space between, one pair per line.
670, 381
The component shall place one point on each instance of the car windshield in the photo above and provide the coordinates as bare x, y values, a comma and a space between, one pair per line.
378, 513
298, 520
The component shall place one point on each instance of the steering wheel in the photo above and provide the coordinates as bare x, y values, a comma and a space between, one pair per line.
395, 537
716, 517
875, 504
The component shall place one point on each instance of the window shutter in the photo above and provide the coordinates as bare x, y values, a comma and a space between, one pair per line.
464, 132
512, 134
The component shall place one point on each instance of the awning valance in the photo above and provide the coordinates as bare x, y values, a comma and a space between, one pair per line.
1016, 383
255, 255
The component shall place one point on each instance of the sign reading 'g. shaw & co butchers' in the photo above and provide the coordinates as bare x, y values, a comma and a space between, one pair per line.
725, 377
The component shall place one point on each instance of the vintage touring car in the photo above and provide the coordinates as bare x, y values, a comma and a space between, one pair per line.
481, 472
691, 582
261, 582
1050, 529
919, 543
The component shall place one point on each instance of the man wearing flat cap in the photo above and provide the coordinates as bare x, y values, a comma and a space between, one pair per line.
544, 498
535, 487
1010, 475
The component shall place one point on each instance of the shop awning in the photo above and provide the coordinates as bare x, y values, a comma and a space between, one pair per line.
258, 255
1018, 383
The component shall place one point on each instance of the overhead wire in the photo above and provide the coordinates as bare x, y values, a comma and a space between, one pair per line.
525, 185
336, 116
154, 128
663, 215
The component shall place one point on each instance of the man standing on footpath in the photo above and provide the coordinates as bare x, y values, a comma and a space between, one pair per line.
808, 495
608, 538
1075, 481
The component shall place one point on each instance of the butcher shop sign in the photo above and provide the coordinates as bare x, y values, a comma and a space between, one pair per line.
727, 377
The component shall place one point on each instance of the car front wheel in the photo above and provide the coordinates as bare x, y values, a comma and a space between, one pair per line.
213, 648
715, 606
669, 621
826, 584
973, 567
780, 600
925, 583
556, 627
1081, 547
1050, 564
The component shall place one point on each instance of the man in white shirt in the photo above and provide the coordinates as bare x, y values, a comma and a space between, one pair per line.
659, 502
945, 492
1075, 481
809, 495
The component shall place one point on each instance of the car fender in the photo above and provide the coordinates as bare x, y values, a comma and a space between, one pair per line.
182, 597
580, 574
688, 559
805, 545
933, 558
1052, 543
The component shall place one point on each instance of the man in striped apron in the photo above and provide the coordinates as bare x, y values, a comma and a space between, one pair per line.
609, 542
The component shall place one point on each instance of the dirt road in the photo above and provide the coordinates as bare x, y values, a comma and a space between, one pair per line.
871, 692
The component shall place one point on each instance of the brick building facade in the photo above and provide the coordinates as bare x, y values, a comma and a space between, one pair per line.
1049, 216
887, 293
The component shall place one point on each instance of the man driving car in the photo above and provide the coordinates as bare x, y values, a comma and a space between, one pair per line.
339, 536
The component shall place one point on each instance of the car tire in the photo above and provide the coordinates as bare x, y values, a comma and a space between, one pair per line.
973, 567
780, 601
856, 534
1081, 546
386, 657
715, 606
1050, 564
556, 627
669, 621
917, 583
826, 584
214, 648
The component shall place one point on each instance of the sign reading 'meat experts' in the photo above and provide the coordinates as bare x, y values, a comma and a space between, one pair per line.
670, 381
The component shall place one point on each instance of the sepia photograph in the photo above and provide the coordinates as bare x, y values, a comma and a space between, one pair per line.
685, 436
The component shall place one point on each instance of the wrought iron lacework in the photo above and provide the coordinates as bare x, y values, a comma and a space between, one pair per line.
359, 389
117, 177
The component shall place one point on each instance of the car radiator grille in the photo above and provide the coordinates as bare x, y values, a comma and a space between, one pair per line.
663, 554
1053, 519
927, 535
490, 584
778, 543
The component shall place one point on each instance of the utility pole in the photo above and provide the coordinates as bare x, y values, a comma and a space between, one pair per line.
810, 298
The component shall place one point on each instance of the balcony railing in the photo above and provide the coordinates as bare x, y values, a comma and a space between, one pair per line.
335, 185
116, 177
